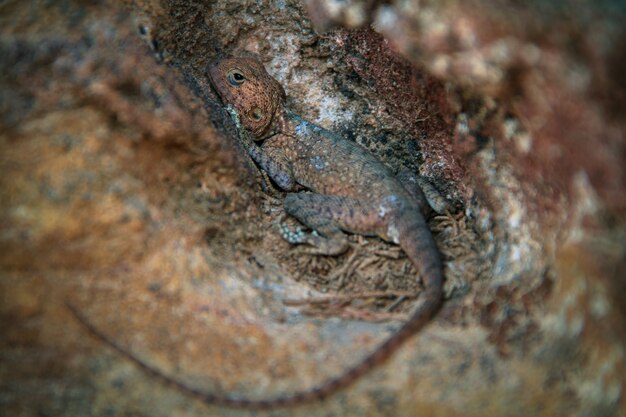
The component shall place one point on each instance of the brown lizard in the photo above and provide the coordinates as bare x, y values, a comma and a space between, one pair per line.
352, 191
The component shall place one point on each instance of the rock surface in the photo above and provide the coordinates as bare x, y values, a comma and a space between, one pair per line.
122, 190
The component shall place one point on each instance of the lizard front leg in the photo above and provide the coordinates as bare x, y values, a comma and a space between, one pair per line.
275, 164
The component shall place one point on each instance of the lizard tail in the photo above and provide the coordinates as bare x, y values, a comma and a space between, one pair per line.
419, 246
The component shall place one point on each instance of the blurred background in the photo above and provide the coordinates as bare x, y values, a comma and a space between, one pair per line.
123, 191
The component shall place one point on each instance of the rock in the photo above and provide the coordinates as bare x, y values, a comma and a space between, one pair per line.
123, 191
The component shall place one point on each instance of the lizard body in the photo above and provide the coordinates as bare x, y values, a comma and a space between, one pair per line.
352, 191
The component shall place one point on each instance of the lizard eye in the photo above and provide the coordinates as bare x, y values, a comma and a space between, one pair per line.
257, 114
235, 77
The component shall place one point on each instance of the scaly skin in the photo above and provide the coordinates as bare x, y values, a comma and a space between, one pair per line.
352, 191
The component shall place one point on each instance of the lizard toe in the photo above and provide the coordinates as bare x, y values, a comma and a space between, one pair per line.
295, 235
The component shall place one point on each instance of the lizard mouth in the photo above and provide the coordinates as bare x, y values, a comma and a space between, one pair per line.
213, 74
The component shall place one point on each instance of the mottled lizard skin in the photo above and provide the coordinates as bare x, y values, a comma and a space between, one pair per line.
351, 191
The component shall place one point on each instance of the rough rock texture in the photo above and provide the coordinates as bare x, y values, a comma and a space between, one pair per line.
123, 191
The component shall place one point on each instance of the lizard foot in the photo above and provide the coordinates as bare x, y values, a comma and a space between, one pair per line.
295, 236
317, 245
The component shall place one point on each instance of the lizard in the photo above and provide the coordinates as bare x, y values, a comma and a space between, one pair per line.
350, 190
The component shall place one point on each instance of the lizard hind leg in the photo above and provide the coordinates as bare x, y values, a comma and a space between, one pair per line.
410, 182
327, 216
423, 192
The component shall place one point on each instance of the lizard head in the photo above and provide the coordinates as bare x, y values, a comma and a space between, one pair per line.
244, 84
